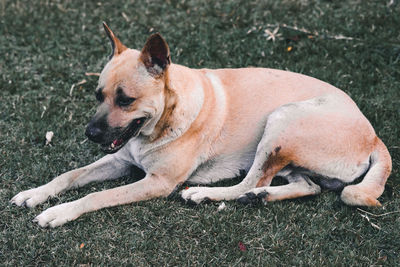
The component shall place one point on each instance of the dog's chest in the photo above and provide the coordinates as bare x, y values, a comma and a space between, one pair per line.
149, 156
138, 152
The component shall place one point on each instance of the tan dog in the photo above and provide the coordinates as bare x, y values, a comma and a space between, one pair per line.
200, 126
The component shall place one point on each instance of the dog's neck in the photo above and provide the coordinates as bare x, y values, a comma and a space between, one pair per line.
182, 86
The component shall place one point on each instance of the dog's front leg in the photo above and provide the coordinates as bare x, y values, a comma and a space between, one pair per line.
150, 187
108, 167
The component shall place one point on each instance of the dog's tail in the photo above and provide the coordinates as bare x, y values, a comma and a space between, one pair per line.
373, 184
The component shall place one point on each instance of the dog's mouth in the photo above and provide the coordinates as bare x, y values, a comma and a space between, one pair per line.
132, 130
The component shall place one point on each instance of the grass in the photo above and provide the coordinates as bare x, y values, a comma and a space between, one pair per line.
47, 46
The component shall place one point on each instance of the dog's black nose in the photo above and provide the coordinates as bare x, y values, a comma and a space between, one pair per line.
94, 133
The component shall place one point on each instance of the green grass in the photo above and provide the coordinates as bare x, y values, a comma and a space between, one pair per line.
47, 46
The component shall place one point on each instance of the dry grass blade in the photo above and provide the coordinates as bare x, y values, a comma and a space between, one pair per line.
378, 215
92, 73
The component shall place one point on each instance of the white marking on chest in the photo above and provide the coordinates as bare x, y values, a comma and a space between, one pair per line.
220, 96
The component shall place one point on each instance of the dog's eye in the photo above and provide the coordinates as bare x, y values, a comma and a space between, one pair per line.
99, 95
124, 101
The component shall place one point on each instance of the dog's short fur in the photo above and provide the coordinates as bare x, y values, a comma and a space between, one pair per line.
201, 126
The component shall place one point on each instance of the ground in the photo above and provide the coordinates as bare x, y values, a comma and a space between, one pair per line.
46, 48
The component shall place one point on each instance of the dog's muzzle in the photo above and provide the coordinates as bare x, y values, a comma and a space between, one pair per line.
113, 139
96, 129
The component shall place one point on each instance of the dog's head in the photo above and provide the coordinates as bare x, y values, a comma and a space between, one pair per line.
130, 92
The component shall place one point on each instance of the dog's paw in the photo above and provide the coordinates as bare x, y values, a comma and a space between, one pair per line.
58, 215
30, 198
196, 195
253, 198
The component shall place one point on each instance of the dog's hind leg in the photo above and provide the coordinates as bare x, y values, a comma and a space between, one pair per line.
108, 167
299, 186
327, 135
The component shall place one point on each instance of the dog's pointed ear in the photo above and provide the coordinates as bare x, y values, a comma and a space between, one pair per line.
117, 46
155, 55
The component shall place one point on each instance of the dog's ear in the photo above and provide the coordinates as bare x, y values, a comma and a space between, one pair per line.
155, 55
117, 46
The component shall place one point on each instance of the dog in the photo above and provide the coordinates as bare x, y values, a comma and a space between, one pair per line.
200, 126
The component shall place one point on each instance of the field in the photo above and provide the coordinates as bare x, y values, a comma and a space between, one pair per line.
46, 48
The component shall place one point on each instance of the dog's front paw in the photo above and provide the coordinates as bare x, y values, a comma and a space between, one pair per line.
30, 198
195, 195
58, 215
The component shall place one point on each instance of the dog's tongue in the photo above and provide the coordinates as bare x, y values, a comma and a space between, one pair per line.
117, 142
